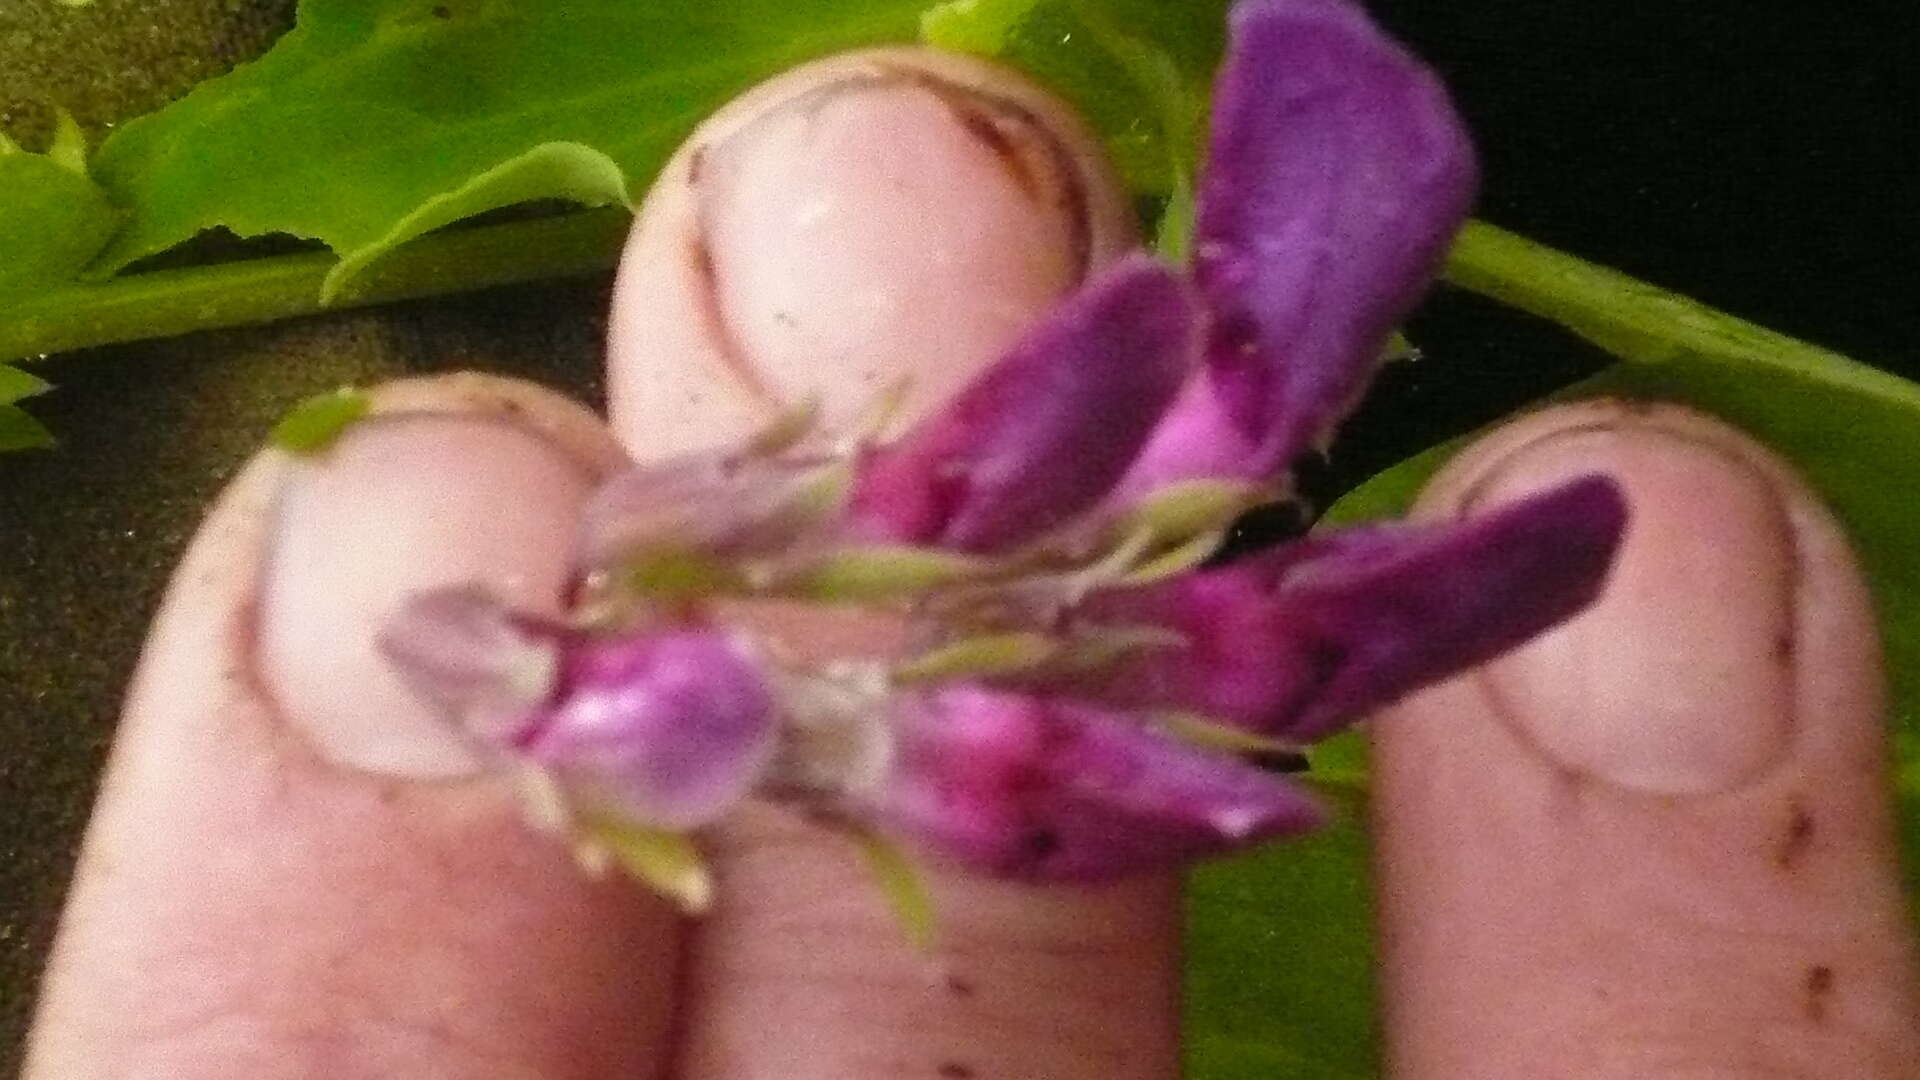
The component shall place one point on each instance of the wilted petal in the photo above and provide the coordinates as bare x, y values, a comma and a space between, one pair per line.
1299, 640
486, 667
1044, 433
1040, 789
718, 503
661, 731
1336, 175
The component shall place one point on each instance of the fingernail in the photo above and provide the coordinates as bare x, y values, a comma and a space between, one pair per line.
1679, 679
860, 218
399, 503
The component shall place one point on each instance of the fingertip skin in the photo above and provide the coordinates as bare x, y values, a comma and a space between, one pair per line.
244, 905
891, 219
878, 220
1557, 900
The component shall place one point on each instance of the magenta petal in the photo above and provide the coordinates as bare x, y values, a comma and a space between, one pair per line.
1037, 789
1336, 176
666, 731
1043, 434
1297, 641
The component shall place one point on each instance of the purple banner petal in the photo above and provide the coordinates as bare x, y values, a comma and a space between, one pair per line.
1043, 434
1336, 176
1298, 641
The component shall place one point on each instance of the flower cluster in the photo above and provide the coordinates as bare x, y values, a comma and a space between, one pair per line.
1069, 689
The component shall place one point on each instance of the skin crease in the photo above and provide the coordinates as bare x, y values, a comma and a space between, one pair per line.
245, 908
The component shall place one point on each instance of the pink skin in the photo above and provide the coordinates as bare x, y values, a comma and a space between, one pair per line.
1655, 842
864, 185
253, 903
241, 899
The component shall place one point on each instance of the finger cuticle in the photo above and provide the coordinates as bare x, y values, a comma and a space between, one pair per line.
1681, 679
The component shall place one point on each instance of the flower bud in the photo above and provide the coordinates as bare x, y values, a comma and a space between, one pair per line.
1042, 435
1301, 639
721, 505
1029, 787
664, 730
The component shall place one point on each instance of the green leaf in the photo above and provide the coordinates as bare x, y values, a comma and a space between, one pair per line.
975, 26
558, 170
1138, 70
53, 221
20, 431
1179, 106
161, 303
312, 425
375, 120
1853, 431
69, 147
16, 384
1279, 963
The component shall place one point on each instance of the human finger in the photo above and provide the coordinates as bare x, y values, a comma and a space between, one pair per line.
1657, 841
886, 218
289, 871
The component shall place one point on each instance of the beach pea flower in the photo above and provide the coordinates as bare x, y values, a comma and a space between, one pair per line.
1077, 689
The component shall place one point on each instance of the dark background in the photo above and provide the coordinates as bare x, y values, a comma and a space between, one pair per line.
1764, 163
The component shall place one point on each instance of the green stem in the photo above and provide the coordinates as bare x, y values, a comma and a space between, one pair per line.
1623, 315
1641, 322
163, 303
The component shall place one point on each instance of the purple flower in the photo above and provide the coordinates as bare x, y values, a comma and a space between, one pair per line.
486, 668
1039, 788
1078, 689
1336, 176
1298, 640
670, 729
1046, 432
666, 729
